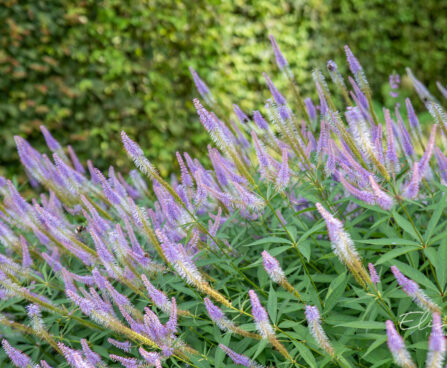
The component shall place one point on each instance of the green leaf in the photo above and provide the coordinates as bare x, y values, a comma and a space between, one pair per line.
306, 354
270, 239
272, 304
335, 291
435, 218
405, 225
441, 272
368, 325
395, 253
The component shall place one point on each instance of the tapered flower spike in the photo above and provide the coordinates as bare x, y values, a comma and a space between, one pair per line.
343, 246
397, 348
239, 359
356, 68
310, 107
282, 180
413, 290
201, 86
381, 198
314, 323
412, 117
442, 89
272, 267
278, 97
373, 274
126, 362
425, 159
123, 345
19, 359
280, 59
411, 190
260, 316
136, 154
436, 344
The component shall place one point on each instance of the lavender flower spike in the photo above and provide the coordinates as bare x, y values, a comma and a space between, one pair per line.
373, 273
343, 246
19, 359
136, 154
272, 267
425, 159
283, 174
201, 86
397, 347
436, 344
260, 316
411, 190
380, 197
412, 289
314, 322
356, 68
280, 59
238, 358
278, 97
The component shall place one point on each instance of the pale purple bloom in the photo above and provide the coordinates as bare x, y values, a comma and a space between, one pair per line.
260, 316
26, 258
391, 155
89, 354
411, 190
283, 176
373, 273
125, 361
394, 81
201, 86
413, 290
242, 116
310, 107
272, 267
52, 143
442, 164
363, 195
158, 297
397, 347
436, 344
19, 359
214, 312
425, 159
412, 117
123, 345
355, 67
75, 160
405, 136
186, 177
442, 89
278, 97
136, 154
259, 120
280, 59
151, 357
380, 197
238, 359
314, 322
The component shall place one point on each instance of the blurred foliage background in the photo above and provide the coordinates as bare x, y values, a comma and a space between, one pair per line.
89, 68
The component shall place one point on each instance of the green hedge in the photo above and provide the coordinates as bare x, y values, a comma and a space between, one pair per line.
87, 69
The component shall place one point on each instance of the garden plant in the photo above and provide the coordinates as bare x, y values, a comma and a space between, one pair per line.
316, 237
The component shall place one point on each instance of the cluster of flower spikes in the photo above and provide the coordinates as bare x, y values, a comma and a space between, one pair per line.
364, 156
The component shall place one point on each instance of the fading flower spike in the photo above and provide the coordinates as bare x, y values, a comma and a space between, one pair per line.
373, 273
136, 154
238, 358
436, 344
397, 347
413, 290
260, 316
314, 323
272, 267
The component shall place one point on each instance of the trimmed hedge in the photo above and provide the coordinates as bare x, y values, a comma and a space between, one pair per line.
88, 69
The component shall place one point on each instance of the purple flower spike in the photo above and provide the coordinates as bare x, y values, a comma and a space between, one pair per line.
314, 321
425, 160
158, 297
214, 312
52, 143
260, 316
412, 117
280, 59
259, 313
397, 347
381, 198
354, 64
312, 314
201, 86
278, 97
283, 174
436, 343
19, 359
373, 273
272, 267
259, 120
126, 362
90, 355
242, 116
123, 345
412, 188
310, 107
136, 154
409, 286
237, 358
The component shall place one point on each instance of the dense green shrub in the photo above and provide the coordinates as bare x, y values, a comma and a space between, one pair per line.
86, 68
